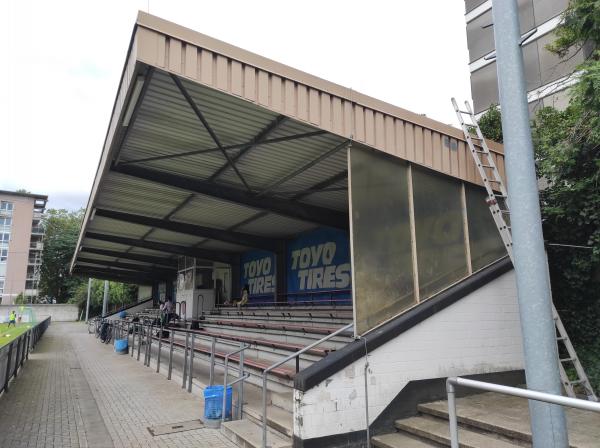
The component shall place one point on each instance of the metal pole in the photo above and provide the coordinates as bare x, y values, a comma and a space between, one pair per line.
548, 424
452, 415
171, 337
140, 339
159, 349
241, 383
211, 379
105, 300
191, 369
224, 408
87, 306
185, 359
134, 327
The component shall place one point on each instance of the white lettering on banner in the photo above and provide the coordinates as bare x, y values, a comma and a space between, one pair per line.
313, 276
257, 274
332, 277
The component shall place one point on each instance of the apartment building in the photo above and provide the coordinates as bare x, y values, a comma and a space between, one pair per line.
21, 244
547, 75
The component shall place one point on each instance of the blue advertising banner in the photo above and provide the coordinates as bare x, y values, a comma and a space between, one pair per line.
319, 261
258, 272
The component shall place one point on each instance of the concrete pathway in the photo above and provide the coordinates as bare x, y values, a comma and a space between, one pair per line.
76, 392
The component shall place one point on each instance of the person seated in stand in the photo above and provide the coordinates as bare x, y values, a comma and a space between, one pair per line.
244, 298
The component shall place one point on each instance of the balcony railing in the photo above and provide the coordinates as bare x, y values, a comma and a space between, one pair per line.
37, 230
36, 246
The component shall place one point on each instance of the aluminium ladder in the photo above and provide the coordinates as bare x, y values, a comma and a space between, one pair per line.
497, 201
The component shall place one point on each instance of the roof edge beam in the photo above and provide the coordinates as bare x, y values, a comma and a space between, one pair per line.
127, 277
130, 266
242, 239
296, 210
221, 256
271, 141
136, 257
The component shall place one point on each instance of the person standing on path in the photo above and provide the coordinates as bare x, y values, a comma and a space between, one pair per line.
12, 319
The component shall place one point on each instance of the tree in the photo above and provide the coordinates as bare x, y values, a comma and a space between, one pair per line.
120, 294
60, 240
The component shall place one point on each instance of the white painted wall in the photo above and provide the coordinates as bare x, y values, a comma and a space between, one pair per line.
144, 292
481, 333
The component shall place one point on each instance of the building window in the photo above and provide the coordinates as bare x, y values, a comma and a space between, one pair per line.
3, 255
5, 221
6, 206
4, 237
1, 285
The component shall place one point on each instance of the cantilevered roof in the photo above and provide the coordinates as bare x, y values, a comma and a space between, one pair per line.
212, 150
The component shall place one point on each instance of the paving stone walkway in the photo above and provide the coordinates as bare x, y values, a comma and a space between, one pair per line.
76, 392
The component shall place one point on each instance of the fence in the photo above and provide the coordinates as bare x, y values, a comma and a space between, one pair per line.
14, 354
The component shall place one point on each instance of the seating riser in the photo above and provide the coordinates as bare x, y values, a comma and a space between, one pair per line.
289, 337
263, 353
316, 322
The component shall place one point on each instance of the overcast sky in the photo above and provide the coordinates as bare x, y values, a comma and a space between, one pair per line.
63, 59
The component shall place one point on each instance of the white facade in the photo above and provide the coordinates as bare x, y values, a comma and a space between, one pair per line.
479, 334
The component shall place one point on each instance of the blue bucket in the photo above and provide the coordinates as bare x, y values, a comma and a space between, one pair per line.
213, 402
121, 346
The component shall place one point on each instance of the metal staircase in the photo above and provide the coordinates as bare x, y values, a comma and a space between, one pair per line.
498, 202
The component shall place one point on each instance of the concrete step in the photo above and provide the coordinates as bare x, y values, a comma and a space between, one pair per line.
247, 434
278, 419
509, 416
437, 430
399, 440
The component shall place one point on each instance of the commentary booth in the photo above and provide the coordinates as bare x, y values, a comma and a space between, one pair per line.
223, 169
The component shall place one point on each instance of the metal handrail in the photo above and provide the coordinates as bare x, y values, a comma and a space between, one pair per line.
240, 378
506, 390
283, 361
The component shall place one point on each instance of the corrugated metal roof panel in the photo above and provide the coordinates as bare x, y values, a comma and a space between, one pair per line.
130, 194
207, 211
101, 224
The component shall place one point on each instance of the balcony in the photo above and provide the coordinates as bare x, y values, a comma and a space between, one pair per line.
37, 230
38, 245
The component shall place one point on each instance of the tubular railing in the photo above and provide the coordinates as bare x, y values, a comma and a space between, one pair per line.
142, 332
283, 361
239, 381
506, 390
14, 354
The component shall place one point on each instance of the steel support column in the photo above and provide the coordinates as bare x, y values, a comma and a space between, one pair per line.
548, 422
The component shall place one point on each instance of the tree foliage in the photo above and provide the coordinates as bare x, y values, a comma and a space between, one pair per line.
61, 233
491, 125
120, 294
580, 25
